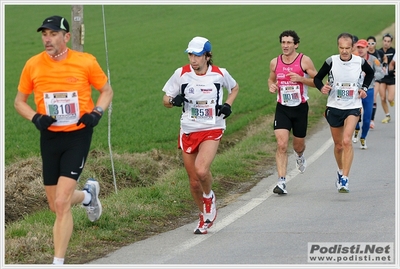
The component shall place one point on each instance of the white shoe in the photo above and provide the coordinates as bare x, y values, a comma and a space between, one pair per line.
343, 185
209, 209
355, 138
280, 188
301, 163
201, 226
94, 208
338, 181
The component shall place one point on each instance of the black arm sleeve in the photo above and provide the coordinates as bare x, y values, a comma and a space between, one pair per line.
369, 74
323, 71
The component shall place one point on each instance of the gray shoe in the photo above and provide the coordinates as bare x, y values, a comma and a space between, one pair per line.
94, 208
301, 163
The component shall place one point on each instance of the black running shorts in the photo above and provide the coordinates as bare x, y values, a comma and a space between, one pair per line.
336, 117
64, 153
388, 80
292, 118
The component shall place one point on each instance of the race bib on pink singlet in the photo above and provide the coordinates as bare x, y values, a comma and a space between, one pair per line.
290, 95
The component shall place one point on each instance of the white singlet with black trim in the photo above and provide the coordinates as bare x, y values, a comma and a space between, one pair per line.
344, 78
203, 93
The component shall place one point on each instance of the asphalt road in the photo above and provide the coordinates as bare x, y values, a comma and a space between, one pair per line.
263, 229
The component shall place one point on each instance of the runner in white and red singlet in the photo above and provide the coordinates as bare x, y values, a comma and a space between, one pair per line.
198, 88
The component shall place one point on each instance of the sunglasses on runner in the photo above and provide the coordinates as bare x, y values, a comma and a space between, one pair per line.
388, 35
371, 43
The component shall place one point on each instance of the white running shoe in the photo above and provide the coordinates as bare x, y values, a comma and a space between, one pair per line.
209, 209
355, 137
338, 181
280, 188
93, 209
201, 226
301, 163
343, 185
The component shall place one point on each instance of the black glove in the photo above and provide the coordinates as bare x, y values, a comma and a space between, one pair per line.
178, 100
90, 120
224, 109
42, 122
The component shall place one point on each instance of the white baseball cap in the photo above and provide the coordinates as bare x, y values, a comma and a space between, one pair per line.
198, 46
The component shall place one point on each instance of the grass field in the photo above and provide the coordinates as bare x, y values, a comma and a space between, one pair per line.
145, 45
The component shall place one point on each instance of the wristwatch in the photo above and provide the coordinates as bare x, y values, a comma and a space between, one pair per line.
365, 89
170, 100
98, 110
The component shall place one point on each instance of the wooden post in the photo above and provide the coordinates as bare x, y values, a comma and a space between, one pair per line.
78, 28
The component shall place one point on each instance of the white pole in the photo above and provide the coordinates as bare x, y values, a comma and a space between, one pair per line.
110, 106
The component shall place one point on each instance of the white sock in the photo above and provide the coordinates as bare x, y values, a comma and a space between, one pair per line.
340, 171
207, 195
87, 199
58, 260
282, 179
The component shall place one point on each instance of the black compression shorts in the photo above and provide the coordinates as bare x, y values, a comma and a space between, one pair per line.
292, 118
388, 80
64, 153
336, 117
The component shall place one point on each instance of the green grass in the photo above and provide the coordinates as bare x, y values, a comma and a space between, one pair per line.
145, 45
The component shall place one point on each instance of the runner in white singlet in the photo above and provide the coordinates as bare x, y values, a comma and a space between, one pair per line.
344, 89
198, 89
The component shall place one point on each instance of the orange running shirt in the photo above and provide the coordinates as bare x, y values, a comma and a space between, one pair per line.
62, 88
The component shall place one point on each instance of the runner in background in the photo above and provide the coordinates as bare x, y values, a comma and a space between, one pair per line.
387, 83
290, 75
379, 55
367, 103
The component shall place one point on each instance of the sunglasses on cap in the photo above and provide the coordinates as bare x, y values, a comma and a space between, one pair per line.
388, 35
371, 43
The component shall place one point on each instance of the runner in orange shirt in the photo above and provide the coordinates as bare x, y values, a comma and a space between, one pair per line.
61, 80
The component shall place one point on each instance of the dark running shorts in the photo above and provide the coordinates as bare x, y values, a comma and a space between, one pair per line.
336, 117
64, 154
292, 118
388, 80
